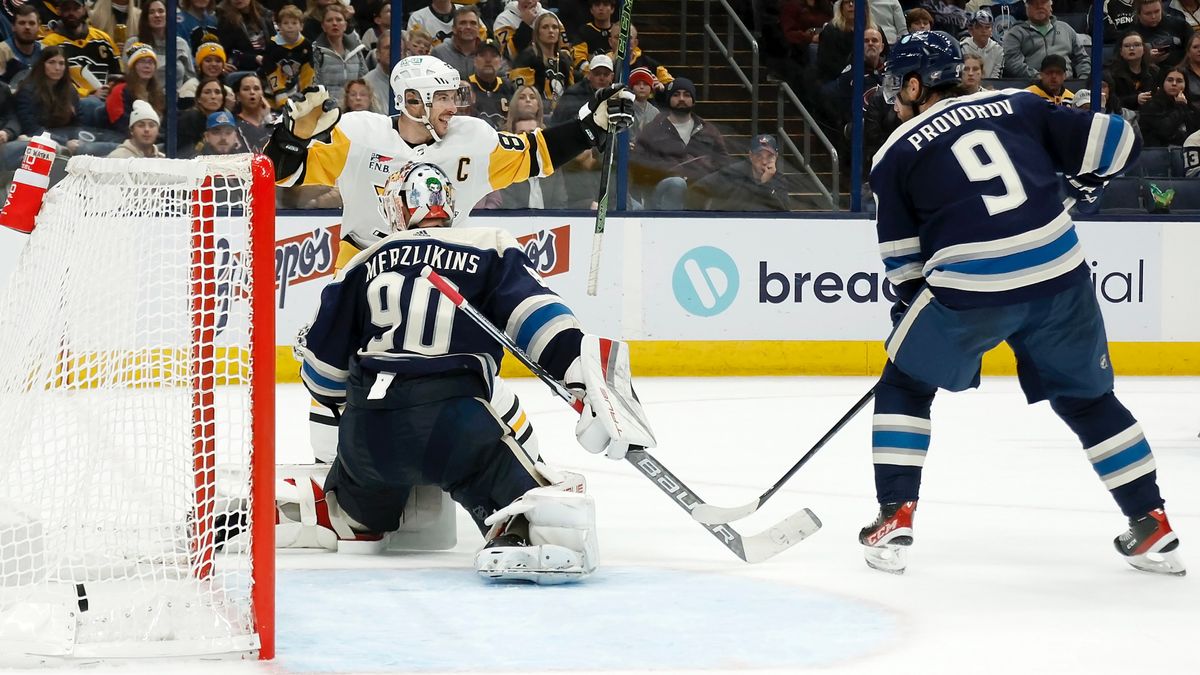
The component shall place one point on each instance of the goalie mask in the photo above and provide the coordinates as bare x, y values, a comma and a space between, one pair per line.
416, 193
426, 76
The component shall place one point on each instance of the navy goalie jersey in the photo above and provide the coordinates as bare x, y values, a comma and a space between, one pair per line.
379, 314
969, 199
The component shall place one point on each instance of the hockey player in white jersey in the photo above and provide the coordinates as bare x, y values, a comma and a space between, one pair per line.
357, 152
413, 378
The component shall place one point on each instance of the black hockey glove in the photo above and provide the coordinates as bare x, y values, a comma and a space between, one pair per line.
1085, 189
897, 312
310, 114
611, 105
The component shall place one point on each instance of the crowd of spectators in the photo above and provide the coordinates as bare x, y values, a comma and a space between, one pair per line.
1150, 72
94, 74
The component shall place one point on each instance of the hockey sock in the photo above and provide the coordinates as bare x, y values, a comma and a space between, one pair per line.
900, 434
1116, 448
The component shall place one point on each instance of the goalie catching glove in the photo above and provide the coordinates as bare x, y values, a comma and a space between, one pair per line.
610, 105
612, 419
310, 115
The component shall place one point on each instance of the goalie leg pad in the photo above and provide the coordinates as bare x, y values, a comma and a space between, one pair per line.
304, 516
561, 544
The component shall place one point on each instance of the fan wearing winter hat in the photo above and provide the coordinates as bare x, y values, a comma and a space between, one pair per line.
143, 132
141, 84
641, 81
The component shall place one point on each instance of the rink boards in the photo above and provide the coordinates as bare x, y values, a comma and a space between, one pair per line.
736, 295
776, 296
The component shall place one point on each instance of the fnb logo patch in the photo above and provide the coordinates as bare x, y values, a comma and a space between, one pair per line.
550, 250
305, 257
379, 162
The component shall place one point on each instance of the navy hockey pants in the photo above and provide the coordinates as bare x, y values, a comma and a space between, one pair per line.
1062, 355
436, 430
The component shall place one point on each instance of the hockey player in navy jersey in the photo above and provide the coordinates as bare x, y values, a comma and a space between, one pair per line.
981, 250
414, 378
316, 145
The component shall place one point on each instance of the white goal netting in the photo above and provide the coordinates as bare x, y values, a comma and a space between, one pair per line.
127, 406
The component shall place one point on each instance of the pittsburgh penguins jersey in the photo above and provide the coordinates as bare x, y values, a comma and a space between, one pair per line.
379, 315
365, 148
94, 59
969, 195
287, 69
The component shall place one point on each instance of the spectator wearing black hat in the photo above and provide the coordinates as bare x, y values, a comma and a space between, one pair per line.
459, 49
981, 44
1027, 43
489, 91
677, 147
751, 184
1051, 79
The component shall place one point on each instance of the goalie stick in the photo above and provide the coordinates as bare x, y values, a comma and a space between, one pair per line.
606, 165
711, 514
754, 548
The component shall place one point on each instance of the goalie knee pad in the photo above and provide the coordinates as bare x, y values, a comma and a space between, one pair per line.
546, 536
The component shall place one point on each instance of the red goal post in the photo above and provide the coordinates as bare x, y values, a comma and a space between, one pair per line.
137, 393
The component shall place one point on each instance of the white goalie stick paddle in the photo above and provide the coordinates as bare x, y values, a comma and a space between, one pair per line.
754, 548
710, 514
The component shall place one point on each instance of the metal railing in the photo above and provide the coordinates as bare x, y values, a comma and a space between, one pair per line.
810, 129
726, 49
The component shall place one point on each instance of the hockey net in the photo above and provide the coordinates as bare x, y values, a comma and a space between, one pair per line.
137, 410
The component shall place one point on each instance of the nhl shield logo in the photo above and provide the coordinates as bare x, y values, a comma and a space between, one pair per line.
550, 250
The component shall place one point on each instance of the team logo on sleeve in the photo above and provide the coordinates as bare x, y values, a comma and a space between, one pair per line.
550, 250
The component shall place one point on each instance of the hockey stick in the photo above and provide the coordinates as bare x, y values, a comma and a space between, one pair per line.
606, 165
711, 514
755, 548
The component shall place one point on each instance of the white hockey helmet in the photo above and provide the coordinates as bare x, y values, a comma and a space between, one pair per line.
425, 75
416, 193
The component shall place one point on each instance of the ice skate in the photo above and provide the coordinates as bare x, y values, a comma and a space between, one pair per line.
886, 541
511, 557
1151, 545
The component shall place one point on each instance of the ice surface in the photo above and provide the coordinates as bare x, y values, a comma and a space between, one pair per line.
1012, 572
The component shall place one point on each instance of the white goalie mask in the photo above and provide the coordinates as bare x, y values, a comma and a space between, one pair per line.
427, 75
416, 193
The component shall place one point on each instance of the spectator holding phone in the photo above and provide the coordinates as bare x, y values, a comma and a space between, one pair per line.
1164, 33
